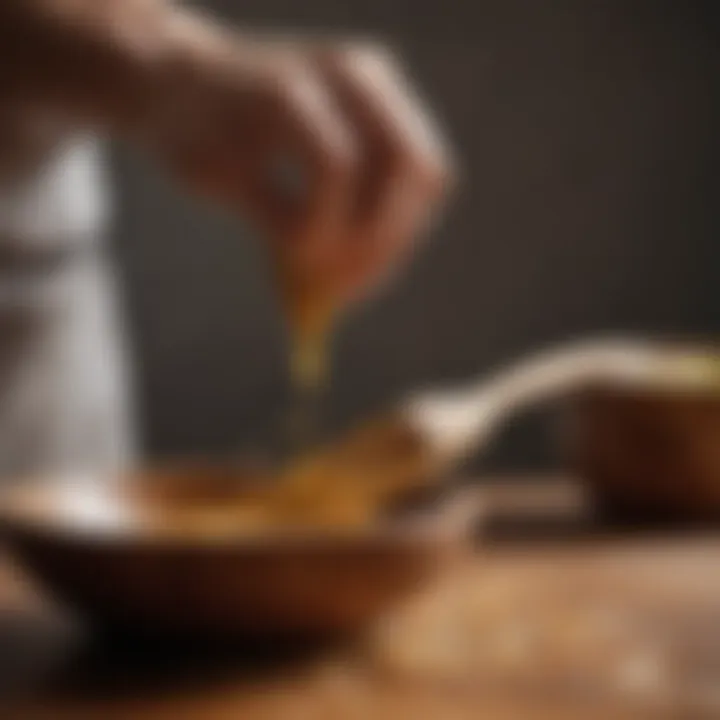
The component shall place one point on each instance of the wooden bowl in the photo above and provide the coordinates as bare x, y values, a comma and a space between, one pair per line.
651, 451
116, 552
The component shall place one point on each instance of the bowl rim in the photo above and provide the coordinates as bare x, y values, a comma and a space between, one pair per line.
447, 523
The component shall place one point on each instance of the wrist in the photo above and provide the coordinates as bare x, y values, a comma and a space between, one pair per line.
187, 59
140, 66
85, 63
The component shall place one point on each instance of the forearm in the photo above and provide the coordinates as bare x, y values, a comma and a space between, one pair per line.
100, 62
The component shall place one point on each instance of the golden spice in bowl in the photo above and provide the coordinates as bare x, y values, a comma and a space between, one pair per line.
205, 550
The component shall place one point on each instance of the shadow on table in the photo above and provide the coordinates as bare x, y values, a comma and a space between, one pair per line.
48, 667
109, 664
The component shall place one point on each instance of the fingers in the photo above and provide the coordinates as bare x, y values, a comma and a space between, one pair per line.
200, 127
406, 170
308, 139
243, 114
306, 163
329, 152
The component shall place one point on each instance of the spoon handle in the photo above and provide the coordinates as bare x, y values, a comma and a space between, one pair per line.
457, 421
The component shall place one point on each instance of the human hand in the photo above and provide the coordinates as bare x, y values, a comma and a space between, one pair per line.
323, 145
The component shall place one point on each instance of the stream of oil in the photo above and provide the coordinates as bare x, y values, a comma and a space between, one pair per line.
309, 379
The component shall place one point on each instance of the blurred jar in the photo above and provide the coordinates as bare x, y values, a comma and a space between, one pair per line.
650, 451
63, 381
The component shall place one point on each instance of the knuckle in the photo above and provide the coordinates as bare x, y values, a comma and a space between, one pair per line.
340, 158
335, 164
368, 56
280, 83
302, 98
281, 80
438, 172
429, 169
379, 54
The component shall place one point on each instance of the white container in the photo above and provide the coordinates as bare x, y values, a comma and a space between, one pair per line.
63, 384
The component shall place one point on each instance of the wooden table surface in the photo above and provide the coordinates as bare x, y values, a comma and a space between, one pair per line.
553, 617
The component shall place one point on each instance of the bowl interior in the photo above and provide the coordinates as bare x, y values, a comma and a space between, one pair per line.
190, 502
181, 551
155, 502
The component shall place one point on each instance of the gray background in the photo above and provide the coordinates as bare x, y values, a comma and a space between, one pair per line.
588, 136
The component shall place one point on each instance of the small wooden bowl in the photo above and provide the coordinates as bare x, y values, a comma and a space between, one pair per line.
107, 550
650, 451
